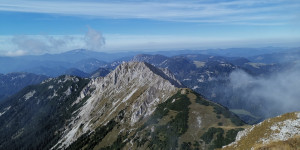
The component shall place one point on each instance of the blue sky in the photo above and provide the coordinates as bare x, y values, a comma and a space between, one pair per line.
37, 27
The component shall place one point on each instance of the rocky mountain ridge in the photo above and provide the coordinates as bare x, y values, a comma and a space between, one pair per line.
136, 99
136, 87
135, 106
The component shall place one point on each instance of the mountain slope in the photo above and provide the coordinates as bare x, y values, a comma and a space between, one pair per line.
13, 82
185, 120
282, 132
31, 119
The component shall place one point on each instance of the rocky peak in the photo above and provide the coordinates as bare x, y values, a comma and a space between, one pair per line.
133, 88
143, 67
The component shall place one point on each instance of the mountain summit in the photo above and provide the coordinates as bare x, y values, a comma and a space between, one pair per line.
137, 103
132, 89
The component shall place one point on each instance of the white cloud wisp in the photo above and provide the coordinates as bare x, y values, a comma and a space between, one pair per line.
41, 44
236, 12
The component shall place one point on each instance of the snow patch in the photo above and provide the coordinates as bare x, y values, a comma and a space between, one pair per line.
5, 110
29, 95
54, 94
195, 87
47, 80
19, 76
187, 79
199, 121
225, 65
200, 80
210, 78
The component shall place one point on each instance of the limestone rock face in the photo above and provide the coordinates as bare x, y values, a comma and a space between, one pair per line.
133, 88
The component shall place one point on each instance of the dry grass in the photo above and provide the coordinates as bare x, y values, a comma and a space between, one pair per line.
208, 119
261, 131
290, 144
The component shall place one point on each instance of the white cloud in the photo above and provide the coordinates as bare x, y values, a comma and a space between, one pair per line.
15, 53
278, 92
273, 12
40, 44
94, 39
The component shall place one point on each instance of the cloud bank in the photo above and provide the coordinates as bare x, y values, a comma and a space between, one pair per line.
38, 44
94, 40
41, 44
278, 93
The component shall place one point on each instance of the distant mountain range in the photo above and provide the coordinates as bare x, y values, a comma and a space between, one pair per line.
88, 61
205, 73
51, 66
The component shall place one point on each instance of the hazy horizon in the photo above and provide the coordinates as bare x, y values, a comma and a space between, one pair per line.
38, 27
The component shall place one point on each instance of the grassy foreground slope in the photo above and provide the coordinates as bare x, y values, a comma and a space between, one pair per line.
279, 133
